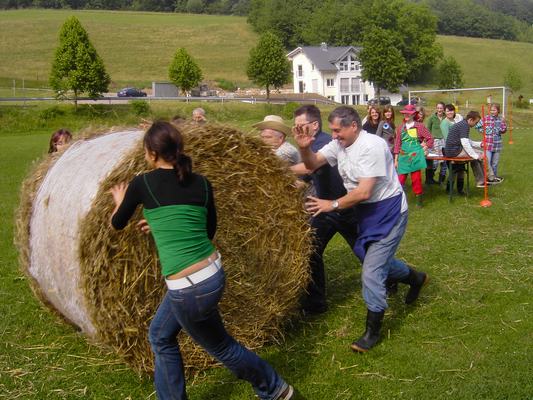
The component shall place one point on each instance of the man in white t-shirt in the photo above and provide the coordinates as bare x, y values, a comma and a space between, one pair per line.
366, 166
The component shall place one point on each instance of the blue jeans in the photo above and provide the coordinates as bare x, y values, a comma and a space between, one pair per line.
380, 264
194, 309
493, 159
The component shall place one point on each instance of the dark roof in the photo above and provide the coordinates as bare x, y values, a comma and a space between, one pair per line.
325, 58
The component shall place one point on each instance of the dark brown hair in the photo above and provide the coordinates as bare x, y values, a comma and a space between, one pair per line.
166, 141
55, 138
369, 118
312, 113
386, 108
473, 115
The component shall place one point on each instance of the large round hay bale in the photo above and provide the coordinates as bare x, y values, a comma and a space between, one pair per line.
109, 284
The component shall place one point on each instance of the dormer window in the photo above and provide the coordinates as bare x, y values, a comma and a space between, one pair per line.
349, 63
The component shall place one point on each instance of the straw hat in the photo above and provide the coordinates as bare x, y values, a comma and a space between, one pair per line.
273, 122
409, 109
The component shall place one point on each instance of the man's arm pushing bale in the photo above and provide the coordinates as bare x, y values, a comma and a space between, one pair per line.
373, 189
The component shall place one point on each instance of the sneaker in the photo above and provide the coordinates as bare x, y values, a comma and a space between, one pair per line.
287, 394
498, 179
494, 181
481, 185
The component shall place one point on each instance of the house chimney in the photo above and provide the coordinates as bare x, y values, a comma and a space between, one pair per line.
324, 46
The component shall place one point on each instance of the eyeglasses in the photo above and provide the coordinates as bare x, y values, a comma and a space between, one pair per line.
307, 123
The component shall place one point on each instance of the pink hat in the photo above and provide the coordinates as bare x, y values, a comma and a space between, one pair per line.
409, 109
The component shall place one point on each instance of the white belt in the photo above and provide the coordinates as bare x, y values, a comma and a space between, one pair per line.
195, 277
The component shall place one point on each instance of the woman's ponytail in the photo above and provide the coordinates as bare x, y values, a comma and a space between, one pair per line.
183, 166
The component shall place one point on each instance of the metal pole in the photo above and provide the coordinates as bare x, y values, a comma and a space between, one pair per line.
511, 120
504, 102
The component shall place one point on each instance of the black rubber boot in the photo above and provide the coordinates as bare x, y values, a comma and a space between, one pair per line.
442, 178
371, 335
391, 287
416, 280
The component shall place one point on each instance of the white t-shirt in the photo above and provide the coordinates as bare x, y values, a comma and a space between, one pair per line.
368, 157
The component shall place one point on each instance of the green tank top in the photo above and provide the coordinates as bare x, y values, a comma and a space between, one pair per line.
180, 233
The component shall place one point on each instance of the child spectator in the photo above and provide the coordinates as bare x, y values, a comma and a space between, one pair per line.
494, 128
386, 126
59, 140
412, 139
420, 115
433, 124
459, 169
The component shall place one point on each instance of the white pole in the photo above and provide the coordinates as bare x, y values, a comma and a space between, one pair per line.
504, 102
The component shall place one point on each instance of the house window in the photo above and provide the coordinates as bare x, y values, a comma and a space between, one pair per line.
356, 85
312, 67
301, 87
349, 63
345, 86
300, 71
355, 99
345, 99
343, 65
330, 82
366, 97
332, 98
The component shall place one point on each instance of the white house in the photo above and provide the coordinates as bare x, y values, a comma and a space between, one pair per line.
333, 72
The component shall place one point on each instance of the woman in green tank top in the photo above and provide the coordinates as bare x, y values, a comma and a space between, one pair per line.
180, 214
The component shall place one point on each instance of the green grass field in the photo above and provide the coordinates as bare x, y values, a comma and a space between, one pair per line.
137, 47
469, 336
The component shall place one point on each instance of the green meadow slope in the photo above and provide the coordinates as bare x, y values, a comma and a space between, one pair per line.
138, 47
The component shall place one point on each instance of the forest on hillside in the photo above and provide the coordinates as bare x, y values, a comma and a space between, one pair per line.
495, 19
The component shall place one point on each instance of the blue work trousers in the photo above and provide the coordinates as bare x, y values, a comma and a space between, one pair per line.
379, 265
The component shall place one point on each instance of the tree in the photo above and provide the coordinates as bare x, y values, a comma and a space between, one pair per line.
383, 64
268, 65
450, 74
184, 72
77, 66
512, 79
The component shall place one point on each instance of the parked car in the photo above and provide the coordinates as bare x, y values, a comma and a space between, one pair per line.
404, 102
131, 92
414, 101
382, 101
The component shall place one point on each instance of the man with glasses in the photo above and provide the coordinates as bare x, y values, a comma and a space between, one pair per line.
327, 185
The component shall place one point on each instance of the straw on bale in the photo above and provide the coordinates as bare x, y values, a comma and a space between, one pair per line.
109, 284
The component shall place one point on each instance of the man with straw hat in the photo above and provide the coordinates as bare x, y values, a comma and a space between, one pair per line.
274, 134
366, 166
